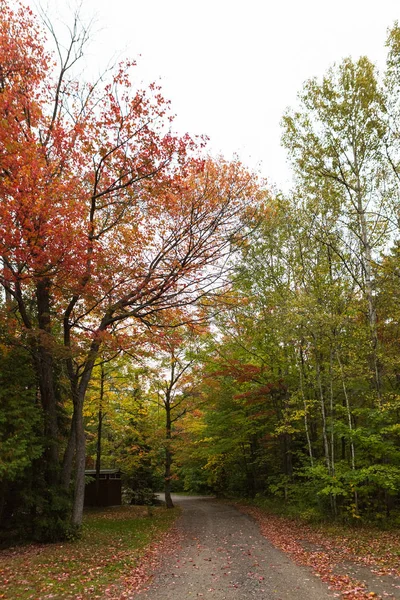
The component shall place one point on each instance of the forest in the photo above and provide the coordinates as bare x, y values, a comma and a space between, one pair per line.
166, 313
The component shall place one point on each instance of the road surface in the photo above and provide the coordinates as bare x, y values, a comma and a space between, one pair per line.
223, 556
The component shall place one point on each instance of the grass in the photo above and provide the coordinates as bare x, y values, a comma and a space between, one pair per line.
112, 542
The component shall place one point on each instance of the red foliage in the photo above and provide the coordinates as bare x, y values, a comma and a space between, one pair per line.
107, 219
241, 372
255, 394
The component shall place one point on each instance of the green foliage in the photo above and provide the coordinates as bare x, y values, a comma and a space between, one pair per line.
30, 508
20, 417
51, 521
302, 379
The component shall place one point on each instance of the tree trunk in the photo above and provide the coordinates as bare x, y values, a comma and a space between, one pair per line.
45, 370
347, 404
79, 497
69, 456
251, 488
332, 422
306, 427
99, 428
98, 454
323, 414
168, 453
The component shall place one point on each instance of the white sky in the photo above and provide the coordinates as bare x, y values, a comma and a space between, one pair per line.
230, 67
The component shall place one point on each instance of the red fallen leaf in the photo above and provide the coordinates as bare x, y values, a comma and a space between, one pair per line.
285, 534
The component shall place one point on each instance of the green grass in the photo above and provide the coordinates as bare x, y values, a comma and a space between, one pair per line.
112, 542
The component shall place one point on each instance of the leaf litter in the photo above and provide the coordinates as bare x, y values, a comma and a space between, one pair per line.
338, 555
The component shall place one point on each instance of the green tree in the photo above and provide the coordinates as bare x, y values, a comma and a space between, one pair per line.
335, 141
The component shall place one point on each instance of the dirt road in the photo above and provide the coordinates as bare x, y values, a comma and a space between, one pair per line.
223, 556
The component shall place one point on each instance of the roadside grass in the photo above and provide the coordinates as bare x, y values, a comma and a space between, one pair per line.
113, 540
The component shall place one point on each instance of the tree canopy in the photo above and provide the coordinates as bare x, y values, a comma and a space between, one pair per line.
165, 313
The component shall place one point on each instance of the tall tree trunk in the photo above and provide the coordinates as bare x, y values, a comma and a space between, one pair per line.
79, 497
251, 488
306, 427
70, 450
69, 455
350, 424
98, 454
323, 414
45, 369
332, 423
168, 453
324, 430
99, 428
287, 444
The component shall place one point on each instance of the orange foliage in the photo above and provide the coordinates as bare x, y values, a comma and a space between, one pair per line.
107, 219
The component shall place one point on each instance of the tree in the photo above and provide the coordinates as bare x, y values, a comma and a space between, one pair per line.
174, 385
302, 380
120, 426
107, 218
290, 410
336, 143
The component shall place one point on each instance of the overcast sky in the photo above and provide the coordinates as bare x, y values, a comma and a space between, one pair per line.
230, 67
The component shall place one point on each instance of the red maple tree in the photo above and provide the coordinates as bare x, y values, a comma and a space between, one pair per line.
107, 219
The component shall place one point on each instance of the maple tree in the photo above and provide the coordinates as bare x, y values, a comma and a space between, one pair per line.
107, 218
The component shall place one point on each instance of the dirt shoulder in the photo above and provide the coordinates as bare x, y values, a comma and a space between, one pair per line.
357, 564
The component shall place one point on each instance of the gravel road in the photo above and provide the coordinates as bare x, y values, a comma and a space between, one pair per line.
223, 555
